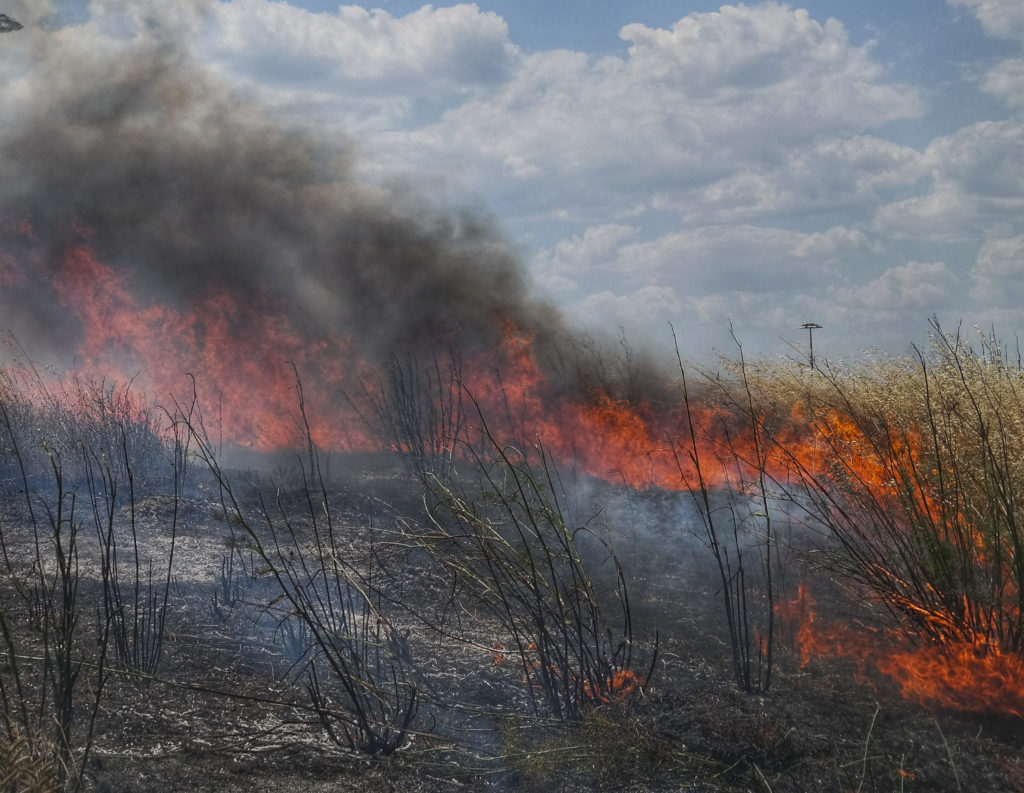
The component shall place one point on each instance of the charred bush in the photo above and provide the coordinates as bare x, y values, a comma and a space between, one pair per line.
418, 408
498, 529
737, 520
54, 648
328, 608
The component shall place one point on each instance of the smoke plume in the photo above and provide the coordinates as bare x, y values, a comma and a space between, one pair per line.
185, 187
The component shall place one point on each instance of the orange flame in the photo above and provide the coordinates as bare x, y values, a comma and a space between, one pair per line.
614, 690
238, 355
957, 675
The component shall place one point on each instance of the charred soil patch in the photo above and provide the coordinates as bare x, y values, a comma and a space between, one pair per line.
229, 709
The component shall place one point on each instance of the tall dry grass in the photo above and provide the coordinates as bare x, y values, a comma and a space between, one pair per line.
912, 469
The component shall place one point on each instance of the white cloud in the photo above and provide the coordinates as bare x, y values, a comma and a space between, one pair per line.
985, 159
653, 305
828, 244
767, 281
699, 278
729, 258
763, 279
575, 259
924, 286
998, 273
686, 109
366, 69
428, 51
1006, 81
833, 173
1002, 19
763, 61
999, 18
976, 184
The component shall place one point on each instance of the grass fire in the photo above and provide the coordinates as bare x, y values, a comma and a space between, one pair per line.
304, 487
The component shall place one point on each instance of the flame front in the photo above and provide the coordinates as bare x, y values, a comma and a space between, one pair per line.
244, 355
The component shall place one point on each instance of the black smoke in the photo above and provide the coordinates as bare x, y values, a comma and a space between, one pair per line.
184, 184
8, 25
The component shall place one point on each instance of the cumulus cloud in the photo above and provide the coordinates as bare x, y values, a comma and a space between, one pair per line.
1006, 81
430, 50
834, 173
730, 258
1002, 19
701, 278
765, 59
367, 69
575, 259
984, 159
925, 286
998, 273
999, 18
683, 110
767, 282
976, 183
657, 305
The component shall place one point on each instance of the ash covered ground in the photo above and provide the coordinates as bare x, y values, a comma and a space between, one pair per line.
228, 706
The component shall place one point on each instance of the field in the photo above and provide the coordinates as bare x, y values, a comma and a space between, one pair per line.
469, 612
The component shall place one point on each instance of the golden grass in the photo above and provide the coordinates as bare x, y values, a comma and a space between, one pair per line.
913, 469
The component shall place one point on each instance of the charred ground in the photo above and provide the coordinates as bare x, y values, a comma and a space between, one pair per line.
227, 708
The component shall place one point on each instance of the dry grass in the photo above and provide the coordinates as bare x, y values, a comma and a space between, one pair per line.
27, 763
910, 471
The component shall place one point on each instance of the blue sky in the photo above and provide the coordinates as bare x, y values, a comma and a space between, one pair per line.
860, 165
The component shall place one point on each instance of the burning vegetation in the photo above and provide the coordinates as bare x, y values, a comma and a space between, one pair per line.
509, 578
505, 555
913, 469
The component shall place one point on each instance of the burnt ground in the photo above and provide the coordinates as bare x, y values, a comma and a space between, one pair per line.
227, 709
